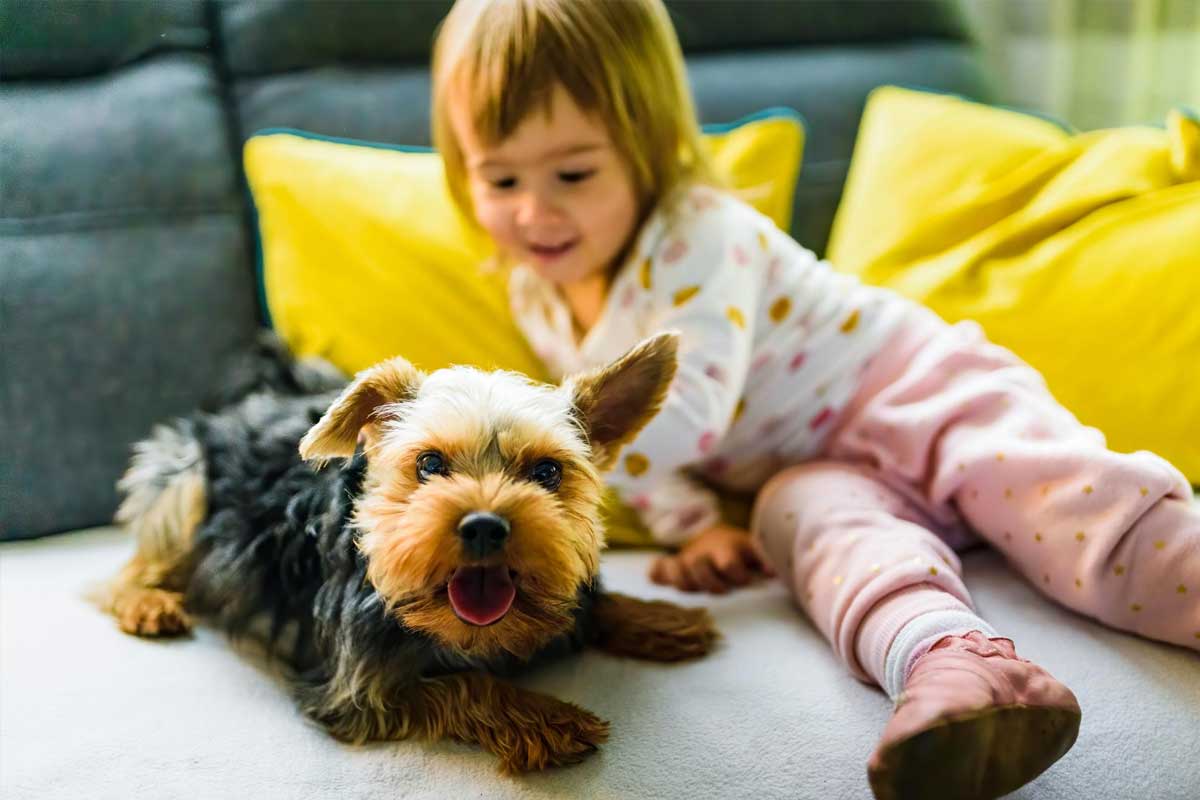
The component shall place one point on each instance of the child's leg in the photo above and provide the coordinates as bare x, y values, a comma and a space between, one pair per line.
1114, 536
862, 563
972, 719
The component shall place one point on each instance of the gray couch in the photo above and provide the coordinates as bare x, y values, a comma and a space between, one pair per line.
127, 281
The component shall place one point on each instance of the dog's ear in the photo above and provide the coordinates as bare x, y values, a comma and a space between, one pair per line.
359, 409
615, 402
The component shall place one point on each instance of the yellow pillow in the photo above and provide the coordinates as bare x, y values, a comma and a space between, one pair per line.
1076, 250
363, 256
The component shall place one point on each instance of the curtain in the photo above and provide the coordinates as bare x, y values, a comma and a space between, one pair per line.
1092, 63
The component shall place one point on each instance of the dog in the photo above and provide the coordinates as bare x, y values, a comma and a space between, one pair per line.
404, 542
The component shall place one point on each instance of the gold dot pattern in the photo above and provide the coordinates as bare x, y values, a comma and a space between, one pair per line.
685, 294
644, 274
636, 464
780, 309
851, 322
735, 316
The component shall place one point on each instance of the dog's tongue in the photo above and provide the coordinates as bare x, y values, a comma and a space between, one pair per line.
481, 595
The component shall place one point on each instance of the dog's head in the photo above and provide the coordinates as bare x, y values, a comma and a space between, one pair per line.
479, 515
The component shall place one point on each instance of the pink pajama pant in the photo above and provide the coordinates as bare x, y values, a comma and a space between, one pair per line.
951, 437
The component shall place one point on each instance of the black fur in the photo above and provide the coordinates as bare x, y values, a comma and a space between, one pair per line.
276, 560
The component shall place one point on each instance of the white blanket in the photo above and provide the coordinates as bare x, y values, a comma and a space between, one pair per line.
88, 712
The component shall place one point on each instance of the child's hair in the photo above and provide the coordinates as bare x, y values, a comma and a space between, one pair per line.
617, 59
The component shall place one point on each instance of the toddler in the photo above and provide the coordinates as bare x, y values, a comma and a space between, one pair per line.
878, 438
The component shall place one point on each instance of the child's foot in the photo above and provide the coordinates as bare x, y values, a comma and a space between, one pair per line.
974, 721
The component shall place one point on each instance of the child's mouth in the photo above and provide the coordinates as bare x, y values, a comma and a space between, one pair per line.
547, 253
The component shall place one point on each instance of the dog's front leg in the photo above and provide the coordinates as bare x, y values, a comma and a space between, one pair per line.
526, 730
651, 629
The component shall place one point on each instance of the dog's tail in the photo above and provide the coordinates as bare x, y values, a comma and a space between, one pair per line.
268, 366
164, 491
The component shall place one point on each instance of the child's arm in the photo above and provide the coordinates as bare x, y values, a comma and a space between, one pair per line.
704, 283
719, 559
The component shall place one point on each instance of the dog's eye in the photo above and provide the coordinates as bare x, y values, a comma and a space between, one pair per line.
548, 473
431, 463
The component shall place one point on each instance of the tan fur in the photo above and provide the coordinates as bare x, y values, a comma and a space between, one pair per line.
412, 551
617, 400
164, 496
164, 505
140, 608
526, 730
652, 629
358, 409
410, 529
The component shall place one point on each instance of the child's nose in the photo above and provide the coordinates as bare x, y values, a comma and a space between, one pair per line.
538, 208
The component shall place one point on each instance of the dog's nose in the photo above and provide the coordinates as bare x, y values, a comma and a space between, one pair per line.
482, 533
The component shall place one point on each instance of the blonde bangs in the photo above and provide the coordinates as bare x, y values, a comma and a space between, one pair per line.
619, 61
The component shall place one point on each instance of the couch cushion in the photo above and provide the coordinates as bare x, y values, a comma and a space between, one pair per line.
64, 38
91, 712
125, 272
267, 36
1076, 251
141, 141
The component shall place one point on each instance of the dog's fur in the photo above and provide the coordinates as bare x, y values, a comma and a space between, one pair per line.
346, 566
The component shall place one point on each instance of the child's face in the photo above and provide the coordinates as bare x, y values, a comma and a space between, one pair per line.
556, 194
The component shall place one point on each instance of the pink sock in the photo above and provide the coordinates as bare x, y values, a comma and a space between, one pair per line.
904, 625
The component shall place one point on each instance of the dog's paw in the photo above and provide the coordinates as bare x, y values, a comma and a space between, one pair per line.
153, 613
540, 731
654, 630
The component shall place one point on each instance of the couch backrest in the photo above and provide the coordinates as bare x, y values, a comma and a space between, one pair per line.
126, 260
125, 275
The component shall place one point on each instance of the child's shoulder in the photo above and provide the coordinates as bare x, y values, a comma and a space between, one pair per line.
706, 214
706, 205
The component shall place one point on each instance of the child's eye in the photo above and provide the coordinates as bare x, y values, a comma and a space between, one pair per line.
576, 176
503, 183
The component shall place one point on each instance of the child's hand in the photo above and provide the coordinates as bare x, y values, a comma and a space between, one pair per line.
717, 560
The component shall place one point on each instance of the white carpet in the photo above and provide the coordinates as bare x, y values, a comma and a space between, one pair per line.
88, 712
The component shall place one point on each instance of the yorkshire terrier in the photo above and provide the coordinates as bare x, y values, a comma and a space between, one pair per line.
456, 539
